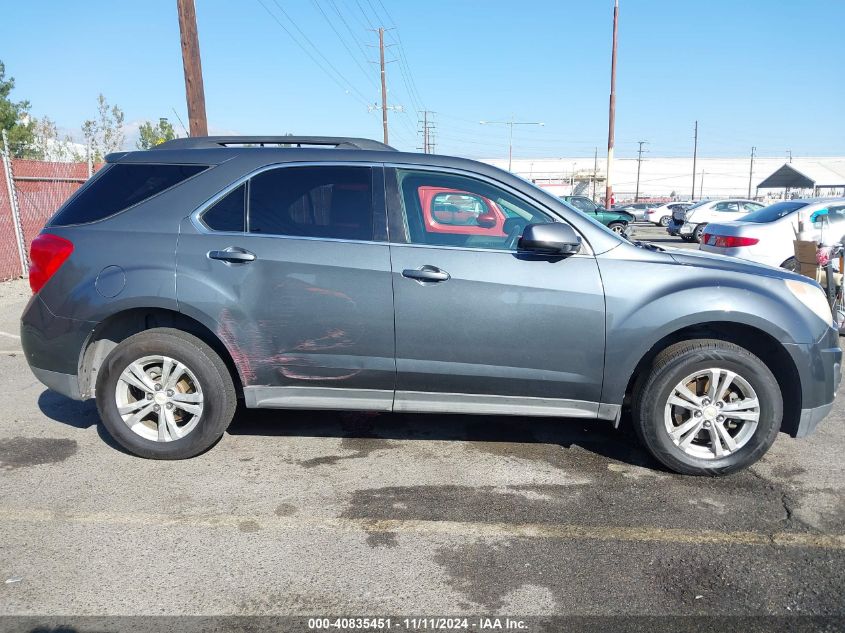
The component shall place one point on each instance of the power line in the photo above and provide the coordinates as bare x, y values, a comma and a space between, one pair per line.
360, 98
348, 28
342, 41
364, 13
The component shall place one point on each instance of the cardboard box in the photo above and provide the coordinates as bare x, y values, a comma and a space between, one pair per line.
805, 255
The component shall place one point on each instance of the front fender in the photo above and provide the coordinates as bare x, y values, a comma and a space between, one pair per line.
652, 298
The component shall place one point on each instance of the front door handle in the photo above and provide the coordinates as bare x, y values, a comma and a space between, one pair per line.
233, 255
426, 273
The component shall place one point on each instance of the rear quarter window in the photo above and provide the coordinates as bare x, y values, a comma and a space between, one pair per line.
119, 187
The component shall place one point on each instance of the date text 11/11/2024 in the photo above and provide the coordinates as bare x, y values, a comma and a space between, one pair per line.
418, 624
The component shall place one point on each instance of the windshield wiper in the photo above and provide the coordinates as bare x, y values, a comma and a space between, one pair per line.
646, 245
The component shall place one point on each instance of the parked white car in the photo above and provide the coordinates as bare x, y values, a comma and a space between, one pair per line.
766, 236
662, 214
689, 224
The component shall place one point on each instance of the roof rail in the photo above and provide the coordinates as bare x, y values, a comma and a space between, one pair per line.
339, 142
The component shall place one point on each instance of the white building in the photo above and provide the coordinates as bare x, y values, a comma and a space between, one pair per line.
663, 177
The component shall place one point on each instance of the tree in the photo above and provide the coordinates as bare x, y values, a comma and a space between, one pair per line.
105, 133
15, 119
48, 146
154, 134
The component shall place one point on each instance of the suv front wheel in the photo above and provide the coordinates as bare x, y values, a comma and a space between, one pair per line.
708, 407
165, 394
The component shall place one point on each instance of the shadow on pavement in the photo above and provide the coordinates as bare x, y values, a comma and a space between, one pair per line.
595, 436
79, 415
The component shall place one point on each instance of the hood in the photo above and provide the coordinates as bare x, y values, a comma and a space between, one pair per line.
701, 259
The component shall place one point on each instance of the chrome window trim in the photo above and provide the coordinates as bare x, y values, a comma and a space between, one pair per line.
487, 250
496, 183
196, 215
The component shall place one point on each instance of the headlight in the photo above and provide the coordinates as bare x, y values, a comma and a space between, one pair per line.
811, 296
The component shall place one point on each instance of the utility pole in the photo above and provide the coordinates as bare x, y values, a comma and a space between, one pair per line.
383, 82
595, 170
789, 152
611, 125
639, 162
694, 158
510, 123
194, 92
701, 186
751, 171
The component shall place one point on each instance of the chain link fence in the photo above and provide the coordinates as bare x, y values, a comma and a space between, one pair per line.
30, 192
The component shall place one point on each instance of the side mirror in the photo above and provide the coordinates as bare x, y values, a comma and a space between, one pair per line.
553, 238
486, 220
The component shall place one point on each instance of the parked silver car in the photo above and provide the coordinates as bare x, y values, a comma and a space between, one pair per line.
766, 236
689, 224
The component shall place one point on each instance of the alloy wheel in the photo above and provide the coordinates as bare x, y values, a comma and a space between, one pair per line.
712, 413
159, 398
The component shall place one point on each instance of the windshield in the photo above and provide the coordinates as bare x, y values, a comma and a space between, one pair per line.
774, 211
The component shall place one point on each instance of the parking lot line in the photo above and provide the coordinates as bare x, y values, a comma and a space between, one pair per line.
2, 333
424, 527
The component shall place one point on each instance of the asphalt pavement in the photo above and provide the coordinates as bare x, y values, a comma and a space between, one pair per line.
332, 514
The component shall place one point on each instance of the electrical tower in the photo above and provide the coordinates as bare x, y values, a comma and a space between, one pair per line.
426, 123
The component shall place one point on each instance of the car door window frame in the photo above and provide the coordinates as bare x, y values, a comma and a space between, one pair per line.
397, 228
378, 206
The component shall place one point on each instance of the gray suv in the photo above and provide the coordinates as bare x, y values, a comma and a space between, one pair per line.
338, 273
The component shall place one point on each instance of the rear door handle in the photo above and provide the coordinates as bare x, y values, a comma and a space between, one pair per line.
233, 255
426, 273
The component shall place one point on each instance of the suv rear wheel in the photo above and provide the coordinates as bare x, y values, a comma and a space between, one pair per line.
698, 232
165, 394
708, 407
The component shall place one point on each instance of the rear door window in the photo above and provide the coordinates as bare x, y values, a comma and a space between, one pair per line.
328, 202
229, 213
119, 187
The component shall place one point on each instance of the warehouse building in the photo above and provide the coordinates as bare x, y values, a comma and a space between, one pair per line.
663, 178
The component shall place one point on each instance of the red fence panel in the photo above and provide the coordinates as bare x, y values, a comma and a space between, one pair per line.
42, 187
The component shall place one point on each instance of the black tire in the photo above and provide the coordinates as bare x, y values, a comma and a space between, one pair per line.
664, 221
617, 227
682, 359
696, 234
219, 397
791, 264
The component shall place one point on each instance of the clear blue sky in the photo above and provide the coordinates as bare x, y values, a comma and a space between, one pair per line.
757, 72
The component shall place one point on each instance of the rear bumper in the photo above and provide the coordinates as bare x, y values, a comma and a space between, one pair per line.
65, 384
741, 252
52, 346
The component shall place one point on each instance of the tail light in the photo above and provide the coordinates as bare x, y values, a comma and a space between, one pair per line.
649, 211
47, 254
729, 241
